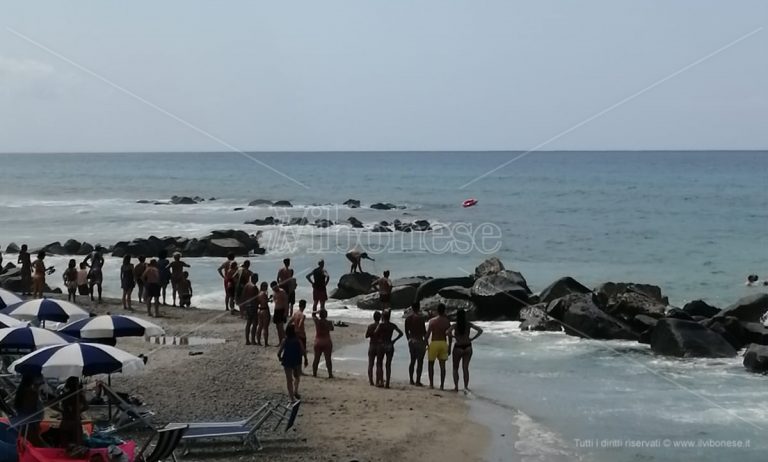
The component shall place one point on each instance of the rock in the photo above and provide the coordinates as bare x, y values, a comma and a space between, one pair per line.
629, 304
688, 339
341, 294
700, 308
611, 289
380, 229
756, 358
72, 246
535, 317
257, 202
299, 221
323, 223
490, 266
357, 283
195, 248
730, 329
54, 248
500, 295
421, 225
85, 249
677, 313
458, 292
429, 306
282, 204
182, 200
754, 332
198, 199
383, 206
413, 281
402, 298
355, 222
12, 248
352, 203
143, 201
557, 307
433, 286
748, 309
161, 203
384, 223
583, 318
562, 287
237, 209
211, 198
268, 221
643, 322
223, 246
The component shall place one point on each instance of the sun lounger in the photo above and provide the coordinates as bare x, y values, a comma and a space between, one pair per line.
127, 415
168, 439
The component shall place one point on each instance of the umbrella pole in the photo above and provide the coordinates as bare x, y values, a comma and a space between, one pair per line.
109, 401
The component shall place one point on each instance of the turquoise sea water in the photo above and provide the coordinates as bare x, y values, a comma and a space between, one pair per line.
692, 222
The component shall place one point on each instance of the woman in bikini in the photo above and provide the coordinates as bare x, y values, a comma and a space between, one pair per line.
462, 348
323, 343
38, 277
384, 332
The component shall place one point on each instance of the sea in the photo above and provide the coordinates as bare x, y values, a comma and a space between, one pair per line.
694, 223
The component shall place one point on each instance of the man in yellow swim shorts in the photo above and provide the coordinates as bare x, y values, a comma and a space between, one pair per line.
438, 345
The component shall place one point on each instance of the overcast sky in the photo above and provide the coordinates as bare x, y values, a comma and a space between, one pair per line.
383, 75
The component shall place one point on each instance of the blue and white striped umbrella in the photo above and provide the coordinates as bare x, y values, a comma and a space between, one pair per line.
46, 309
7, 321
8, 298
15, 340
111, 326
77, 359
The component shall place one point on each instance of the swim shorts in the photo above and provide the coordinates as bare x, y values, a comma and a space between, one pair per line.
279, 317
438, 349
417, 347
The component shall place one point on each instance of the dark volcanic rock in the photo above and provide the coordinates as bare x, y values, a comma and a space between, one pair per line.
611, 289
583, 318
299, 221
54, 248
754, 332
433, 286
490, 266
237, 209
341, 294
677, 313
282, 204
182, 200
756, 358
352, 203
402, 298
749, 309
429, 305
629, 304
72, 246
421, 225
12, 248
85, 249
700, 308
562, 287
534, 317
383, 206
413, 281
143, 201
688, 339
268, 221
323, 223
500, 295
730, 328
355, 222
459, 292
642, 322
257, 202
357, 283
380, 229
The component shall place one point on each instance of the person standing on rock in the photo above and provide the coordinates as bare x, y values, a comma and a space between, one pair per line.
280, 299
177, 274
95, 261
25, 260
462, 349
438, 345
127, 281
164, 267
416, 333
319, 278
151, 279
138, 270
262, 305
355, 258
323, 342
224, 269
384, 332
384, 286
288, 283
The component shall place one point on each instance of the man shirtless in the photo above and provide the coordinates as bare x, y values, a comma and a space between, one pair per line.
25, 260
438, 345
384, 286
355, 257
177, 273
416, 333
319, 279
250, 294
95, 261
226, 275
279, 317
262, 307
298, 321
288, 283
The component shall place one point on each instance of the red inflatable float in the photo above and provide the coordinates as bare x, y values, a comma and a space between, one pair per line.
469, 202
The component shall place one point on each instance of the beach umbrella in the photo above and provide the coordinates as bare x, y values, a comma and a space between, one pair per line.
15, 340
77, 359
8, 298
46, 309
7, 321
111, 326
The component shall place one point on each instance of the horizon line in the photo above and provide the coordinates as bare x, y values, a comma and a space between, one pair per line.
378, 151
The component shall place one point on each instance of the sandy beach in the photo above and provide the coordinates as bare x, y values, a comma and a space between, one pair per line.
341, 419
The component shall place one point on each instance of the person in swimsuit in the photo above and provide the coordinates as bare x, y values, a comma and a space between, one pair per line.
416, 333
127, 281
289, 354
70, 280
462, 349
319, 279
374, 344
438, 346
72, 406
323, 343
164, 268
177, 274
185, 291
355, 258
38, 277
297, 321
251, 294
95, 261
138, 270
384, 286
229, 285
224, 272
288, 283
151, 279
384, 331
241, 278
25, 260
262, 302
29, 408
82, 280
279, 317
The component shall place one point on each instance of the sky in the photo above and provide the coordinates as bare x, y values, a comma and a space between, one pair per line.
332, 75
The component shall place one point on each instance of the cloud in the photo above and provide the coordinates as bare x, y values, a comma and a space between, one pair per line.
28, 78
12, 68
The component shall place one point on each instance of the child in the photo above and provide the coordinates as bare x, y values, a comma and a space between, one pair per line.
70, 280
184, 287
82, 280
290, 354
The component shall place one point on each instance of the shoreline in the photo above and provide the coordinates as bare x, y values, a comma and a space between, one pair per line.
340, 419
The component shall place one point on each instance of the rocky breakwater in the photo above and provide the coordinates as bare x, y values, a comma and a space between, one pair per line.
216, 244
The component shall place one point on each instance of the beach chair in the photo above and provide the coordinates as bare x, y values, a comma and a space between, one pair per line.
126, 414
168, 439
244, 430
